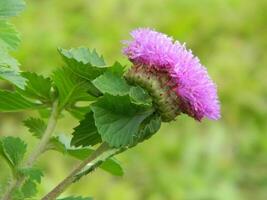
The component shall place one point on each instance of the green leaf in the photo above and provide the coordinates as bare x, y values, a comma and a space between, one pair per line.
29, 188
10, 8
62, 145
83, 62
9, 37
13, 150
45, 113
9, 69
140, 97
56, 144
78, 112
149, 127
7, 61
70, 87
36, 126
17, 194
33, 176
13, 76
14, 102
112, 83
110, 165
118, 119
32, 173
38, 87
76, 198
86, 134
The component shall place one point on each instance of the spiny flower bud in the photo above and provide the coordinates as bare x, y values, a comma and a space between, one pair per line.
174, 78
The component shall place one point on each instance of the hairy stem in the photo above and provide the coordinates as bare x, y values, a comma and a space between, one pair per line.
102, 153
38, 150
41, 147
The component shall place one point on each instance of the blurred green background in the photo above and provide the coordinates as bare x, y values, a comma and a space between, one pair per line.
186, 160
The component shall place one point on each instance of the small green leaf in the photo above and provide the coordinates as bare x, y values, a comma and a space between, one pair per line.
32, 173
83, 62
17, 194
13, 150
118, 119
70, 87
140, 97
112, 83
56, 144
10, 8
86, 134
76, 198
38, 87
62, 145
36, 126
110, 165
29, 188
9, 37
33, 176
14, 102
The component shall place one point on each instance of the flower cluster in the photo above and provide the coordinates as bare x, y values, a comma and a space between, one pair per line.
158, 53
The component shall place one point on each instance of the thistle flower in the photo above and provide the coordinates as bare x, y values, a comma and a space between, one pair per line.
172, 75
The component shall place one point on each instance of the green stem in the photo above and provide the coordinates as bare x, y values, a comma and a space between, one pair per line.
102, 153
39, 149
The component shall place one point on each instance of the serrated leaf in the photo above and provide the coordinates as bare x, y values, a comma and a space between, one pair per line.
13, 76
9, 69
83, 62
10, 8
36, 126
9, 37
76, 198
37, 87
70, 87
8, 61
112, 83
86, 134
118, 119
32, 173
14, 102
13, 150
29, 188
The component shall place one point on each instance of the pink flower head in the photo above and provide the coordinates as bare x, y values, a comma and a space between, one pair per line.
195, 90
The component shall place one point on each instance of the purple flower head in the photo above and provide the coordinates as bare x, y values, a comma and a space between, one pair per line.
190, 81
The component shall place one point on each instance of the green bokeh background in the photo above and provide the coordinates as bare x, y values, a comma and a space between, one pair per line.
186, 160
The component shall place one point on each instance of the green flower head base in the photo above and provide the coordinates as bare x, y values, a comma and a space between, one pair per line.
174, 78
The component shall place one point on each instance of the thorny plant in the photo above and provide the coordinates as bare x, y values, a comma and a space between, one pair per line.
122, 106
